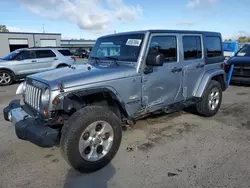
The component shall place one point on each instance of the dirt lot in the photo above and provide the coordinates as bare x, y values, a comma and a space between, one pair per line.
177, 150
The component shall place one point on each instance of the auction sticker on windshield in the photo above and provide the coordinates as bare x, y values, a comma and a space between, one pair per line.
133, 42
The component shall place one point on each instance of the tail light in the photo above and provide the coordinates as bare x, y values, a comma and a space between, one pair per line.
73, 57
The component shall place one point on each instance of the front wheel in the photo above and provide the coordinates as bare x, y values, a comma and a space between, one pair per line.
91, 138
6, 78
211, 100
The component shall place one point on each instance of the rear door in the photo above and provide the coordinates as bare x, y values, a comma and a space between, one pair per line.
45, 59
193, 63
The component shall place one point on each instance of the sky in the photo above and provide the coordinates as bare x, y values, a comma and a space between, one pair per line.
90, 19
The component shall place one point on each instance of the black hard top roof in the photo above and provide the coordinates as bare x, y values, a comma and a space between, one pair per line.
168, 31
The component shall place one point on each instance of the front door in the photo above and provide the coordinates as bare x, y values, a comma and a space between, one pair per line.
193, 63
163, 85
26, 62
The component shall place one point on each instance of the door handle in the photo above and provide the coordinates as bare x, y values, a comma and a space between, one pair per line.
33, 61
199, 66
176, 69
55, 58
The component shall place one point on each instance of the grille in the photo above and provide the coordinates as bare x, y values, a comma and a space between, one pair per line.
33, 96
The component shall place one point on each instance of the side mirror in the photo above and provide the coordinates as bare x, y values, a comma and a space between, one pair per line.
155, 59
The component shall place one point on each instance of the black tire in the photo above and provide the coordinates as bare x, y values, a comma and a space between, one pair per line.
73, 129
10, 75
202, 107
61, 66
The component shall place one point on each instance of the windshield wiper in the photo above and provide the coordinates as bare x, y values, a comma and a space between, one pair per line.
96, 59
114, 59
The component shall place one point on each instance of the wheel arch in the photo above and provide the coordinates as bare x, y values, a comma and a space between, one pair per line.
62, 64
95, 96
218, 75
9, 70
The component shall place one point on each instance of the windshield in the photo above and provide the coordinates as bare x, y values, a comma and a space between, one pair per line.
121, 47
245, 51
229, 46
11, 55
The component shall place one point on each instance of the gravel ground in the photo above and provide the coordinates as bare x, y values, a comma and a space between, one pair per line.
177, 150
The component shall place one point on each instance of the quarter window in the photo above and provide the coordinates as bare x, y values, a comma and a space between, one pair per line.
192, 47
213, 46
65, 52
165, 45
44, 53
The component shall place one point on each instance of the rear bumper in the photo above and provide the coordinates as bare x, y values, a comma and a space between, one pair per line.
30, 128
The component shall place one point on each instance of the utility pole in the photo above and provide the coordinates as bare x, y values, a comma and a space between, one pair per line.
43, 29
114, 31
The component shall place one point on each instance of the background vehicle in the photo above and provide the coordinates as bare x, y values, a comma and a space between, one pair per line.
22, 62
128, 76
241, 62
82, 53
230, 48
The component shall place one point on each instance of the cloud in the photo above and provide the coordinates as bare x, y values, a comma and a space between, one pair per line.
196, 3
93, 15
193, 3
185, 22
23, 30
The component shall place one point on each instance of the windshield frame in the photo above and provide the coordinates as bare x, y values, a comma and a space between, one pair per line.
111, 38
247, 54
12, 55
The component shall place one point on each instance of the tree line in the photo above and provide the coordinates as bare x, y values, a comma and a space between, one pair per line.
3, 28
242, 39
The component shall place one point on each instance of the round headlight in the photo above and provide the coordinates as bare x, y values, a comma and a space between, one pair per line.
21, 88
45, 96
24, 86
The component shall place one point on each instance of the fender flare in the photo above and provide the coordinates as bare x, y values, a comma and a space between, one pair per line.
104, 89
208, 76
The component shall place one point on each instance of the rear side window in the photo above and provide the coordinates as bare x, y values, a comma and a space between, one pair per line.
192, 47
213, 46
44, 53
165, 45
65, 52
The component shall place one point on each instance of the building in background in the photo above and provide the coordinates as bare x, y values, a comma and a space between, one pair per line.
10, 41
78, 44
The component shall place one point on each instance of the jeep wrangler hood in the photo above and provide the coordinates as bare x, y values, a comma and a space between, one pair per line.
83, 74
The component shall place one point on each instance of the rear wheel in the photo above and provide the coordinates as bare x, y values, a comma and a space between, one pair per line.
6, 78
211, 100
91, 138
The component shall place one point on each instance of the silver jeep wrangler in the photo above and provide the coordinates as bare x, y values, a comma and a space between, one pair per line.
128, 76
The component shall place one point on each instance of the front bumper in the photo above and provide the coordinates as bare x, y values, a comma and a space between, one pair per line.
30, 128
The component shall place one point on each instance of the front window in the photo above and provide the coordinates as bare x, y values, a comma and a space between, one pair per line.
11, 55
121, 47
245, 51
